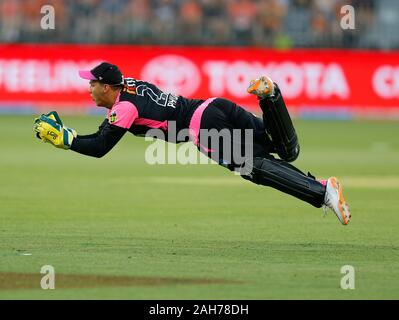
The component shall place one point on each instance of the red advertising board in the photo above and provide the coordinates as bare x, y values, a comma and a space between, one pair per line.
359, 82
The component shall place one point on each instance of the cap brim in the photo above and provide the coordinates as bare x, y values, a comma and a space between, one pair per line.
85, 74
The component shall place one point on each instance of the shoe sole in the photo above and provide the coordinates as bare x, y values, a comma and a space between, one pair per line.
253, 88
342, 205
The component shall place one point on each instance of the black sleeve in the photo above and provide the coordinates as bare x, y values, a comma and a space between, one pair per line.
99, 143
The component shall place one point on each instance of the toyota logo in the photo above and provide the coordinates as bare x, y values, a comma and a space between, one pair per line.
172, 73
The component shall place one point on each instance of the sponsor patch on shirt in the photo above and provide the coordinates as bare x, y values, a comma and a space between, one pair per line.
112, 117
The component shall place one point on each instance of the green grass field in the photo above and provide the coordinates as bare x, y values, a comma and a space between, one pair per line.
195, 231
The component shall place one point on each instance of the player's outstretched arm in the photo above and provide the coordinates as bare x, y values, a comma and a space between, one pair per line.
49, 128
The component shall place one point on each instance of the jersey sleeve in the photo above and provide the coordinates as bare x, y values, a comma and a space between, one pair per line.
119, 119
98, 144
123, 114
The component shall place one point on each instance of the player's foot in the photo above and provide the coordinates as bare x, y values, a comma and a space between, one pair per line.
262, 87
334, 199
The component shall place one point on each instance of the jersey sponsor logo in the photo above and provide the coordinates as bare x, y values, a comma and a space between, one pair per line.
112, 117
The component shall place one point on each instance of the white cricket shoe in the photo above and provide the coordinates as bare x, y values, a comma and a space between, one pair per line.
334, 199
262, 87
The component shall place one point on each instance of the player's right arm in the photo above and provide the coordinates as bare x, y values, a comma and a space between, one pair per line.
49, 128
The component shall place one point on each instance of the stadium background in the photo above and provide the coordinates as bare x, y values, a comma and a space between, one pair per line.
120, 228
241, 38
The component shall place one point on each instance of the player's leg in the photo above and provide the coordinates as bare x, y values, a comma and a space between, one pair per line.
260, 167
276, 118
284, 177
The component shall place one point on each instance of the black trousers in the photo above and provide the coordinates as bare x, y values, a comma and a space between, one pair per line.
234, 137
228, 130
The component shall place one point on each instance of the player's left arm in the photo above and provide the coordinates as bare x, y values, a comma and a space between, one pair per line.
49, 128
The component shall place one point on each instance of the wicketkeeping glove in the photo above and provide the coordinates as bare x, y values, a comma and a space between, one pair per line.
49, 128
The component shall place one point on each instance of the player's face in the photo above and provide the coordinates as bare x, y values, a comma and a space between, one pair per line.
97, 93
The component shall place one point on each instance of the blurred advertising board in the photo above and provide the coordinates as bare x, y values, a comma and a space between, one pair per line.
314, 82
